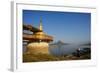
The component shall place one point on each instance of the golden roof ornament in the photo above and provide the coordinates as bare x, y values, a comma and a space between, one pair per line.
38, 34
40, 25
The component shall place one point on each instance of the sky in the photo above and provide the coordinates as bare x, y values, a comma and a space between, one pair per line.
69, 27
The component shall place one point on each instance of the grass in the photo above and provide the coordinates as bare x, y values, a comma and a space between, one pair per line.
27, 57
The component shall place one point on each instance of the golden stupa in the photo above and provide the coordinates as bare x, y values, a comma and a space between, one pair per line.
38, 42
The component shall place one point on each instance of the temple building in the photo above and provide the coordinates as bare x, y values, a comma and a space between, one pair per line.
37, 41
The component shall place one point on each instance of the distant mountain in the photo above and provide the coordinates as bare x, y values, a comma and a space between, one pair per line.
59, 43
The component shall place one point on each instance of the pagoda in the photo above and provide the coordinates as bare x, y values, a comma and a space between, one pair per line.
38, 42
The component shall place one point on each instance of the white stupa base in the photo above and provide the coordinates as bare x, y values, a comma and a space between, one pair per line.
38, 48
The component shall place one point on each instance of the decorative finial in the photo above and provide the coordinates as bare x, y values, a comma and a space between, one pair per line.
40, 26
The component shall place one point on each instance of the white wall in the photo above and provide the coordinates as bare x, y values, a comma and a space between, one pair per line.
5, 35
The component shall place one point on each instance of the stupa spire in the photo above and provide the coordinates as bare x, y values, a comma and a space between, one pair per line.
40, 25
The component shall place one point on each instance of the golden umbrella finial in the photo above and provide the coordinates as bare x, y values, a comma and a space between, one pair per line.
40, 26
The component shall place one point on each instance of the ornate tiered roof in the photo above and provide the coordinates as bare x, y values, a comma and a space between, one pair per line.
38, 34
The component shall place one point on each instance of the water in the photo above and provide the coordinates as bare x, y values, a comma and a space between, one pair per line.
65, 50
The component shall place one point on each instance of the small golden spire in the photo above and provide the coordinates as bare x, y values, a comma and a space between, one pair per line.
40, 26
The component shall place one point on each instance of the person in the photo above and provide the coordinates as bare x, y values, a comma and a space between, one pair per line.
78, 52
